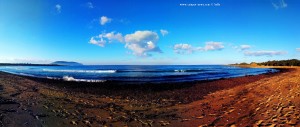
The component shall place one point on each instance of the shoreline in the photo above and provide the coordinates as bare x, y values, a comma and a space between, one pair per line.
104, 105
182, 89
24, 64
111, 82
262, 66
191, 75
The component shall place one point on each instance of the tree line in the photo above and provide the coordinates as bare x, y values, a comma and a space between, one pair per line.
291, 62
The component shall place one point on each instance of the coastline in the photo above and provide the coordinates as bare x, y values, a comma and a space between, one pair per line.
262, 66
70, 103
24, 64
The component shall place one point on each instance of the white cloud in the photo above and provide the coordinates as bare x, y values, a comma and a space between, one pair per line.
264, 53
279, 4
58, 8
164, 32
183, 48
90, 5
104, 20
211, 46
139, 36
187, 48
98, 41
242, 47
245, 47
103, 38
112, 36
142, 42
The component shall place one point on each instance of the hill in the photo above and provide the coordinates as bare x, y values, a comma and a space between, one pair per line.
66, 63
291, 62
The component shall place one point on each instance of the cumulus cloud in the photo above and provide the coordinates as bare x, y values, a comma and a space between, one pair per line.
103, 38
90, 5
139, 36
245, 47
278, 4
211, 46
58, 8
242, 47
264, 53
187, 48
104, 20
298, 49
98, 41
164, 32
142, 42
112, 36
183, 48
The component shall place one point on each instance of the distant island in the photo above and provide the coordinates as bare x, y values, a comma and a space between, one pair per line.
26, 64
56, 63
66, 63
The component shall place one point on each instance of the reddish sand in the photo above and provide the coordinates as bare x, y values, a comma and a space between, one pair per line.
263, 100
273, 101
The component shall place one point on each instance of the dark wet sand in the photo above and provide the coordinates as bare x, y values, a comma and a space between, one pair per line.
41, 102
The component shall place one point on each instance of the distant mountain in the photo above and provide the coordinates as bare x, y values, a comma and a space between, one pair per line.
66, 63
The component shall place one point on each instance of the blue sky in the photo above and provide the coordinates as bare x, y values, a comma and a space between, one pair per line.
149, 31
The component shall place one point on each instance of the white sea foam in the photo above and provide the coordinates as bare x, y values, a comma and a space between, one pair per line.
54, 78
10, 72
179, 70
15, 68
82, 71
70, 78
24, 74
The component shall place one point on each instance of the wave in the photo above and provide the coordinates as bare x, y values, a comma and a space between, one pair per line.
215, 73
15, 68
121, 71
17, 73
153, 71
25, 74
188, 70
81, 71
54, 78
132, 74
195, 74
178, 76
70, 78
125, 77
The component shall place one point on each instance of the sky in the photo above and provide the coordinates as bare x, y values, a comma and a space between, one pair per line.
149, 32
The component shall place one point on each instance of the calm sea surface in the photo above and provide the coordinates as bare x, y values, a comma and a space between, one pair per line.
134, 73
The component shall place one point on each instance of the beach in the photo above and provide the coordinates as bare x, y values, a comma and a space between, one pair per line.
270, 99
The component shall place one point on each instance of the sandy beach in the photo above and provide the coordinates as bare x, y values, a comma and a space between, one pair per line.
263, 100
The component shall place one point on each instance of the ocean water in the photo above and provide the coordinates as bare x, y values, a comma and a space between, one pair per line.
134, 73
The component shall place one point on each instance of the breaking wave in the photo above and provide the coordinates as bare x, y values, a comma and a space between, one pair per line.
157, 71
81, 71
70, 78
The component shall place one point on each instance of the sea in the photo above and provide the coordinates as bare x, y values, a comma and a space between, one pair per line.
134, 73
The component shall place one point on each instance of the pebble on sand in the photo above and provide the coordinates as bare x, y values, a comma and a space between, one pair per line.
73, 122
